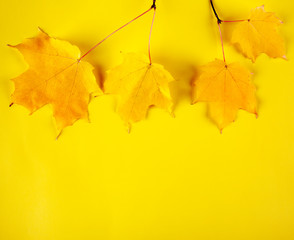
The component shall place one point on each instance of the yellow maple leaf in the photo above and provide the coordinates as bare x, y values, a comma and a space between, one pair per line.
139, 85
227, 88
55, 76
259, 35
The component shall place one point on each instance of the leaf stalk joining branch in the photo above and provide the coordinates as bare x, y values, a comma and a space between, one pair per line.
219, 21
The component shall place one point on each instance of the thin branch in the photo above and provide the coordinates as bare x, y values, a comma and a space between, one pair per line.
219, 21
154, 4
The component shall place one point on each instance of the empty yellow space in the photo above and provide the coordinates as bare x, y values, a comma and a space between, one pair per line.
170, 178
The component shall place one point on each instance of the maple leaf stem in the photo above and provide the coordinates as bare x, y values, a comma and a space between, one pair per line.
221, 37
115, 32
149, 44
232, 21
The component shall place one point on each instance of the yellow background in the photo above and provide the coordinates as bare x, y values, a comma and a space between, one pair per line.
171, 178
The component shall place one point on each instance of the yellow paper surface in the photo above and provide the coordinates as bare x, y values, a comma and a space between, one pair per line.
170, 178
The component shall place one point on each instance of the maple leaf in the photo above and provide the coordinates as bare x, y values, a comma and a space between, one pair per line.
227, 88
55, 76
139, 85
259, 34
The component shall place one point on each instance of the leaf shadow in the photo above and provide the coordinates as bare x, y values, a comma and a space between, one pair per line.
183, 72
255, 74
99, 69
227, 32
100, 74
